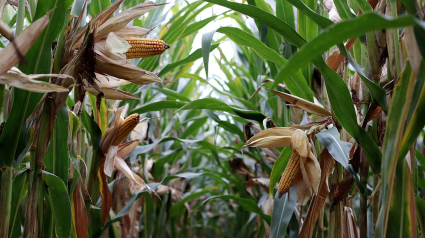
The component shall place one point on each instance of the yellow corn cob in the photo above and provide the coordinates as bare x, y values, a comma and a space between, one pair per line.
126, 127
143, 47
291, 170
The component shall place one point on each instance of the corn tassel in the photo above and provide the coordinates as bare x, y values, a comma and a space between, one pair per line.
126, 127
143, 47
291, 171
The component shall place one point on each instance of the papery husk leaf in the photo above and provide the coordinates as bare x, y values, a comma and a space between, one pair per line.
116, 44
128, 72
299, 143
311, 124
302, 189
76, 40
140, 132
106, 195
26, 82
349, 224
13, 53
122, 166
132, 31
110, 82
126, 148
303, 104
110, 160
269, 142
122, 19
111, 93
316, 205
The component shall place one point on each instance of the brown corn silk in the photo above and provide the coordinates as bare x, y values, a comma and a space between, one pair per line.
144, 47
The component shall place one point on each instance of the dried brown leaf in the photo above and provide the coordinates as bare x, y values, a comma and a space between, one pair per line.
111, 93
16, 78
270, 138
335, 59
122, 19
79, 213
128, 72
372, 113
349, 224
303, 104
105, 193
13, 53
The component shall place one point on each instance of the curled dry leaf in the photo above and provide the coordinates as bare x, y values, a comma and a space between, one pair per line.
312, 124
303, 104
122, 19
349, 224
273, 137
128, 72
111, 93
16, 78
335, 59
13, 53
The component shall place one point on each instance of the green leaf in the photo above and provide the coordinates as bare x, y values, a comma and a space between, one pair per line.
194, 27
415, 119
206, 49
377, 93
343, 9
279, 166
193, 128
420, 207
340, 151
343, 107
197, 54
158, 106
59, 203
392, 166
172, 94
92, 128
57, 157
97, 6
282, 212
340, 32
296, 84
271, 21
214, 104
18, 193
247, 204
38, 61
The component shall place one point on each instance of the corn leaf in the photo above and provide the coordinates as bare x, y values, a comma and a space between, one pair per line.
59, 203
282, 212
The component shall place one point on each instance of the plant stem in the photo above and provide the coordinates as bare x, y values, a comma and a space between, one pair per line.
5, 201
364, 170
20, 17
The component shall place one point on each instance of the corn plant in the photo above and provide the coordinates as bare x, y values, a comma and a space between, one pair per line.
245, 118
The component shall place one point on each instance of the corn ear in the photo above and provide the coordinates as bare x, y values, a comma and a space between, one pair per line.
291, 171
143, 47
126, 127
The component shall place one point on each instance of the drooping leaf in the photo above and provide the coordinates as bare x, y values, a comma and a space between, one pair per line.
340, 151
283, 209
